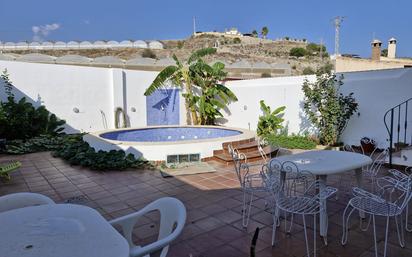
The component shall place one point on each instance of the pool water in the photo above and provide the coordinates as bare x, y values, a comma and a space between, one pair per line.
169, 134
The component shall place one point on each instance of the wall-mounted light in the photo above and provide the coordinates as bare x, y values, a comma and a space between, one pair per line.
76, 110
133, 109
245, 107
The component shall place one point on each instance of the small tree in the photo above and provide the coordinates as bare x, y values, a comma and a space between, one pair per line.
264, 32
148, 53
384, 52
255, 33
308, 71
326, 68
327, 109
271, 121
265, 75
297, 52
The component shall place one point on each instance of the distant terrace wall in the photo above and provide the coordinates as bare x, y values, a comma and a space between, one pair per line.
72, 45
96, 92
240, 70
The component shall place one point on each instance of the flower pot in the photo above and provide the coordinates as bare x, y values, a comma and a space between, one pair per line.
368, 145
399, 146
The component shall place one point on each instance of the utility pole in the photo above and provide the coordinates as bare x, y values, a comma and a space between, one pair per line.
321, 49
337, 21
194, 25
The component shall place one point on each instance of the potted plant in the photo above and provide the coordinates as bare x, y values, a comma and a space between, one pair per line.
368, 144
400, 145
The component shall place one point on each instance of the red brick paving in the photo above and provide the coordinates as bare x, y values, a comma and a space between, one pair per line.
213, 202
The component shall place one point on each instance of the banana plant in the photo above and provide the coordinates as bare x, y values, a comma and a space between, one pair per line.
213, 96
271, 121
181, 75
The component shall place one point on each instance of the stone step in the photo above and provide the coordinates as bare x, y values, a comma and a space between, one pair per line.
252, 156
243, 148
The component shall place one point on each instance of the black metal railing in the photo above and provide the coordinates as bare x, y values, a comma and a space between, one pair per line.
396, 122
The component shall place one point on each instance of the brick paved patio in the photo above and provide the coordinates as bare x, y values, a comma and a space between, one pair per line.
213, 202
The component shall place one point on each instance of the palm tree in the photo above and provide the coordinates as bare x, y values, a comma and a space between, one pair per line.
264, 32
181, 75
214, 96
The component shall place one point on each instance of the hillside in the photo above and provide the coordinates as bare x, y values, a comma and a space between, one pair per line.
230, 49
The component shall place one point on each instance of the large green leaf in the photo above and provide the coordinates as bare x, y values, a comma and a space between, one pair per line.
201, 53
167, 74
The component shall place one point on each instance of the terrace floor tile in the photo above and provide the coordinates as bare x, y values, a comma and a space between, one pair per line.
213, 202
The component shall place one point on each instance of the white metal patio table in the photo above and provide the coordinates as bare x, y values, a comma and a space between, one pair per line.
323, 163
63, 230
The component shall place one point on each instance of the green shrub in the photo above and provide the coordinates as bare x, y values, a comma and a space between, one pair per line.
78, 152
308, 71
270, 122
37, 144
148, 53
19, 119
265, 75
237, 40
326, 68
291, 142
73, 149
297, 52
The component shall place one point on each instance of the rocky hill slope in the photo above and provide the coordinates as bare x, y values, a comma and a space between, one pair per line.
230, 49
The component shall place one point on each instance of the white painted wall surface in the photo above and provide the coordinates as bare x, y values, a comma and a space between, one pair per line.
375, 91
276, 92
136, 83
97, 90
61, 88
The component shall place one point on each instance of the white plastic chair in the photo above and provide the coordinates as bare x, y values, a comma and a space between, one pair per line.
21, 200
172, 220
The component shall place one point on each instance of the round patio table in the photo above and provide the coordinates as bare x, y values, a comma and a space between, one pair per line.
63, 230
323, 163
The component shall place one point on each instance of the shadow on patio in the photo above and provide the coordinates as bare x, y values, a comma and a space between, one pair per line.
213, 202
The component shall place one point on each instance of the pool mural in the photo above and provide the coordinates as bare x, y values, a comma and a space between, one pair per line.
162, 107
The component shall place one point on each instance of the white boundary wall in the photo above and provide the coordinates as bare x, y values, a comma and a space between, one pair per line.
96, 92
375, 91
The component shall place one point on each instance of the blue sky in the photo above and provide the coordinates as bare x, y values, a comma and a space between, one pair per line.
161, 19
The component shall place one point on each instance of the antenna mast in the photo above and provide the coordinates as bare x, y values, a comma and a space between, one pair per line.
194, 25
321, 49
337, 21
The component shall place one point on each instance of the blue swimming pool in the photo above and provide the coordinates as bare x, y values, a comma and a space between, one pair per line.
169, 134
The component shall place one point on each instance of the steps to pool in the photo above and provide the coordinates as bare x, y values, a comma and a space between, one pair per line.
249, 147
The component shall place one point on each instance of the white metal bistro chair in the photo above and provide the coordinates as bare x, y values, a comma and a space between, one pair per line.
250, 184
372, 171
172, 220
297, 197
21, 200
391, 202
400, 180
